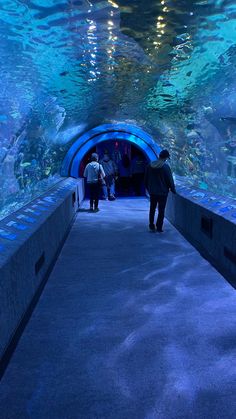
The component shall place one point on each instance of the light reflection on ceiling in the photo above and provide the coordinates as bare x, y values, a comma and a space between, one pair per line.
164, 65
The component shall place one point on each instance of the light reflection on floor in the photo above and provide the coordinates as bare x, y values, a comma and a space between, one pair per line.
131, 325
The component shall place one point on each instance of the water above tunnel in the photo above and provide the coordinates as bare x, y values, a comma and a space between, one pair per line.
69, 66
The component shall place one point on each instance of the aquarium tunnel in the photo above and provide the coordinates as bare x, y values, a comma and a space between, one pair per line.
104, 134
99, 317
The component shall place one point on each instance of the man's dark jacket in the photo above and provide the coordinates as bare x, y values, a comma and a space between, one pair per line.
158, 178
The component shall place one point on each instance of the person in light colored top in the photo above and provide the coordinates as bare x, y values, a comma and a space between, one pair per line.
93, 171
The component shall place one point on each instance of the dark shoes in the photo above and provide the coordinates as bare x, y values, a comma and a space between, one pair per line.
152, 228
111, 198
93, 210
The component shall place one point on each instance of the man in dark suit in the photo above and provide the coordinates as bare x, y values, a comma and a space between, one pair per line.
158, 182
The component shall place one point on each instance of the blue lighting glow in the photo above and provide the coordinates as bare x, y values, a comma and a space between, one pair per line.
163, 68
7, 235
16, 225
107, 132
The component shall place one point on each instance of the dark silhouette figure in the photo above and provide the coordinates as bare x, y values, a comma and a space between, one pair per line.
124, 171
138, 165
158, 182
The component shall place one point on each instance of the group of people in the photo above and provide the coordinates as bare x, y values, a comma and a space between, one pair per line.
127, 176
158, 182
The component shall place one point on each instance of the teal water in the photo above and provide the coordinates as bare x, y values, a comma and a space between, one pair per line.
69, 65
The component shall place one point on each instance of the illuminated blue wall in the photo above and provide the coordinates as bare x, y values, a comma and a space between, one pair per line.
107, 132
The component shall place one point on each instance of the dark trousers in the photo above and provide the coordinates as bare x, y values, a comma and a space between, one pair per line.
161, 201
94, 190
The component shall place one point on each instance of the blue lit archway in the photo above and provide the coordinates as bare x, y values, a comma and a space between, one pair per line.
107, 132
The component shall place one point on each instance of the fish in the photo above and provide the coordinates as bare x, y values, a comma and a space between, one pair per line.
228, 118
166, 84
166, 95
26, 164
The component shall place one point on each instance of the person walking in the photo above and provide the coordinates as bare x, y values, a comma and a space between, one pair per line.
93, 173
158, 182
110, 170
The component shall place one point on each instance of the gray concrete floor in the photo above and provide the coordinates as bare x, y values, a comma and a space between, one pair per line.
131, 325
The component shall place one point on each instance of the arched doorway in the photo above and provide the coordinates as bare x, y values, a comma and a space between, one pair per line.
107, 132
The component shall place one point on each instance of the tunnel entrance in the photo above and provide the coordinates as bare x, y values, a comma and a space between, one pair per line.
130, 162
118, 139
118, 132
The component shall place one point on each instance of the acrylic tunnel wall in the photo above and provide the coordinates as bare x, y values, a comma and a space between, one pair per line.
108, 132
68, 67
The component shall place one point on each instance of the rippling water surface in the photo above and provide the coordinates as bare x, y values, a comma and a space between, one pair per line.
67, 66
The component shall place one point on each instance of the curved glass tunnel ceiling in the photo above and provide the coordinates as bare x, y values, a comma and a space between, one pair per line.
103, 133
70, 65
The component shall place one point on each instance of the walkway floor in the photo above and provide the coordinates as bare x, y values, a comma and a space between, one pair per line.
131, 325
